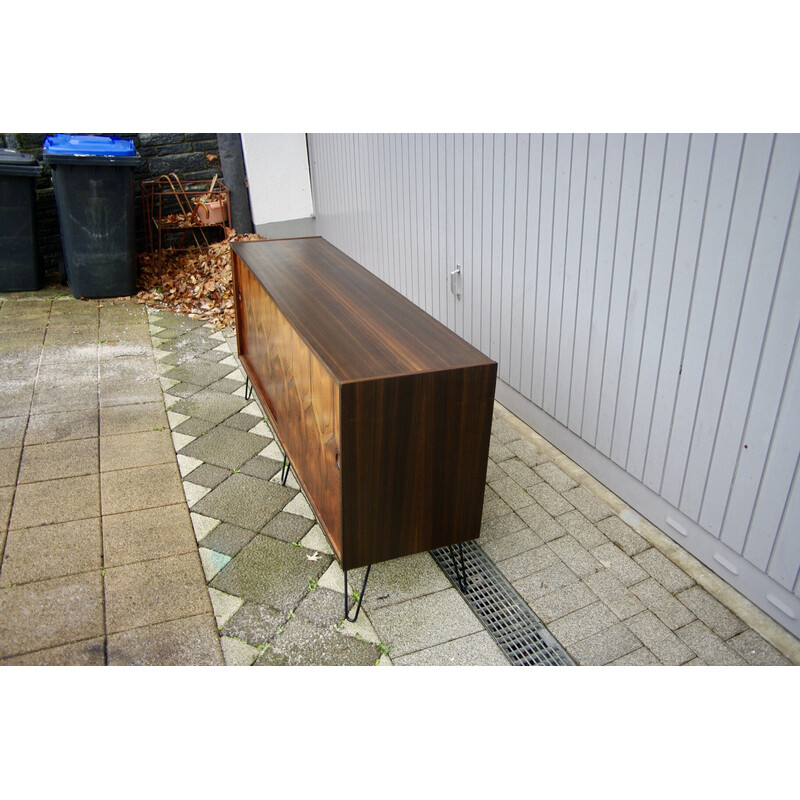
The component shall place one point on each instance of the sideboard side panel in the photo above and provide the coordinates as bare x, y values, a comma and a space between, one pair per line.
414, 457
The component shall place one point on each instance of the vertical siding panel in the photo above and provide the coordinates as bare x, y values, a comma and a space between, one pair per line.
688, 494
450, 231
612, 184
531, 262
779, 470
638, 294
546, 225
496, 287
419, 204
784, 564
572, 274
425, 157
775, 349
690, 225
478, 238
457, 252
439, 270
642, 291
592, 220
623, 264
736, 426
664, 253
515, 323
469, 267
487, 272
434, 207
506, 276
555, 298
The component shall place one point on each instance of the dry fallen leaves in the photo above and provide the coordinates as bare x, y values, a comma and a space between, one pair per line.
195, 281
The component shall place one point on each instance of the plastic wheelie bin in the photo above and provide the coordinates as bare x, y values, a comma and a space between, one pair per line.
93, 183
20, 266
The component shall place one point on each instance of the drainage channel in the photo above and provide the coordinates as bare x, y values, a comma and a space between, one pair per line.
519, 633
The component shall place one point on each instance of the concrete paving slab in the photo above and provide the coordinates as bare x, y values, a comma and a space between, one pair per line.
228, 539
583, 623
254, 623
207, 474
61, 500
638, 658
288, 527
65, 397
200, 374
140, 487
424, 622
244, 501
50, 613
623, 535
618, 597
754, 649
12, 431
500, 526
224, 447
139, 449
514, 544
563, 601
209, 405
272, 572
475, 650
87, 653
9, 465
665, 606
603, 648
237, 653
224, 605
305, 644
190, 641
52, 551
62, 426
132, 418
147, 534
659, 639
58, 460
150, 592
527, 563
708, 646
575, 524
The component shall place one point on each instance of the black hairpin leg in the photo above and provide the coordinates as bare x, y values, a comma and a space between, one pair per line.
360, 597
285, 470
248, 388
461, 575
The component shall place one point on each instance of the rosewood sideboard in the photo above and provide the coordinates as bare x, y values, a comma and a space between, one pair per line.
383, 412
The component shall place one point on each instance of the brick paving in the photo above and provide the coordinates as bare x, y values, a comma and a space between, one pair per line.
144, 522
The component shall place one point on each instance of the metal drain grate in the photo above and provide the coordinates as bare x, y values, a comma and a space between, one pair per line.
517, 630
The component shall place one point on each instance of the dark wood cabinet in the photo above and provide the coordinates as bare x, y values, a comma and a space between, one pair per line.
384, 413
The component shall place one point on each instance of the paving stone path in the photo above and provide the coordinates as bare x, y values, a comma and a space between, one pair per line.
589, 569
143, 521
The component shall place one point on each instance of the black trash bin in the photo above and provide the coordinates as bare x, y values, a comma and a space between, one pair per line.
93, 182
20, 266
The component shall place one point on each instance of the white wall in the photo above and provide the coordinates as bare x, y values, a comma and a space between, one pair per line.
640, 295
277, 174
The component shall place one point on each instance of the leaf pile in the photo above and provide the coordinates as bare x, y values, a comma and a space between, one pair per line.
195, 281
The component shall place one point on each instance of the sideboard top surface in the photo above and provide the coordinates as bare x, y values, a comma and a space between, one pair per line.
357, 324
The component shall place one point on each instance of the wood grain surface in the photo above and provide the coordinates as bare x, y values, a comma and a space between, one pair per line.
384, 413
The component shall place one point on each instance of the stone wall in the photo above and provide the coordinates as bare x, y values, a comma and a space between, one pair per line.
192, 156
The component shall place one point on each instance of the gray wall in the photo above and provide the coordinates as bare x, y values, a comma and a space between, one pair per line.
641, 294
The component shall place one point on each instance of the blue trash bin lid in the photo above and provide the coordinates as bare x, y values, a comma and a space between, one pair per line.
69, 145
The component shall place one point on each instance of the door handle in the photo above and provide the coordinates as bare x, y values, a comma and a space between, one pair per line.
456, 271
